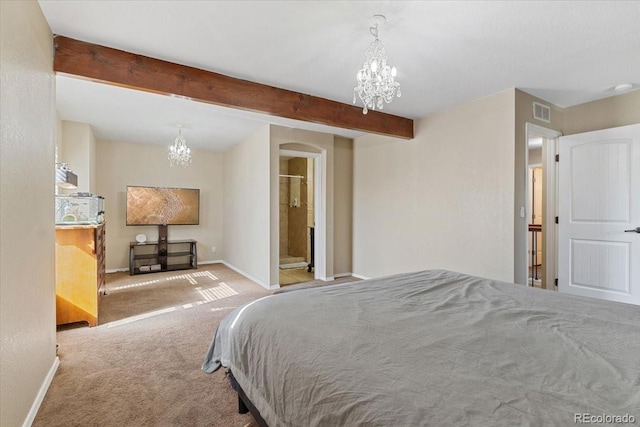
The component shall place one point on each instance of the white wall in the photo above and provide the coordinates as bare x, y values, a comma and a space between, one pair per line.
442, 200
343, 206
247, 217
78, 149
27, 238
121, 164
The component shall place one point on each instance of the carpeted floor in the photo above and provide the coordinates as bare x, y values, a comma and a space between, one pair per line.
141, 365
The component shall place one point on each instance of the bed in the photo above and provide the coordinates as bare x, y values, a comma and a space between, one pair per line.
431, 348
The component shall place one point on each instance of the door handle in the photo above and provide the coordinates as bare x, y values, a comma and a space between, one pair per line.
635, 230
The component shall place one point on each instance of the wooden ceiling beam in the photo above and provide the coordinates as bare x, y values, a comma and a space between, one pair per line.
125, 69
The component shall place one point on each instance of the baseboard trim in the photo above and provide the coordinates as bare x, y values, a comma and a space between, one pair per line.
231, 266
249, 276
31, 416
116, 270
339, 275
215, 261
360, 276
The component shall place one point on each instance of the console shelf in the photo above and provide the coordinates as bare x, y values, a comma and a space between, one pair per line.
155, 257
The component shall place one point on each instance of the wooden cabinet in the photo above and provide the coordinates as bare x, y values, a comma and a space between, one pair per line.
80, 273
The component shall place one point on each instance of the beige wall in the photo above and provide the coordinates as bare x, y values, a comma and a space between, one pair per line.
248, 223
343, 206
121, 164
606, 113
27, 239
609, 112
58, 138
442, 200
78, 149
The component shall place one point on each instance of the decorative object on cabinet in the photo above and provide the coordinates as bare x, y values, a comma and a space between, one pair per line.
80, 273
141, 238
79, 208
64, 177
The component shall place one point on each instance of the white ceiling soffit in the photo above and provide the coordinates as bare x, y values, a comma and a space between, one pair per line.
125, 115
447, 53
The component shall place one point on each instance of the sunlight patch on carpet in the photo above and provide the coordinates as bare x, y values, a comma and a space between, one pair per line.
207, 295
190, 277
219, 292
207, 273
140, 317
134, 285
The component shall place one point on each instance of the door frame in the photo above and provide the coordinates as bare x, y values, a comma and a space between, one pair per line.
549, 201
319, 209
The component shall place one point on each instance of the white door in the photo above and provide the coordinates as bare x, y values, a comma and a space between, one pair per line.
598, 202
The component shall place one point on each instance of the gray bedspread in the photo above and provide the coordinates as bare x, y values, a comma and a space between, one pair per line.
433, 348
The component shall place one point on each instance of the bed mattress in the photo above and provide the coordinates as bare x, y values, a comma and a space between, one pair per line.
432, 348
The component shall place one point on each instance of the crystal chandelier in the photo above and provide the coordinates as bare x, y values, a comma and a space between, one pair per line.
179, 153
376, 79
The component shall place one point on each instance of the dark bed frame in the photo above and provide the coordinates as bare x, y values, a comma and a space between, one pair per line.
244, 404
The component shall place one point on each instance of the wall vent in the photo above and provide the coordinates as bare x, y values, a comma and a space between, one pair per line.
541, 112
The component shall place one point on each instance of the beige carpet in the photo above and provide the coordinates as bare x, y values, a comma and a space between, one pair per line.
145, 371
141, 365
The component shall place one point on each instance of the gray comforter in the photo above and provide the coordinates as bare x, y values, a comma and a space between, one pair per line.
432, 348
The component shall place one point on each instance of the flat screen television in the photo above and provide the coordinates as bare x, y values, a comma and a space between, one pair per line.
163, 206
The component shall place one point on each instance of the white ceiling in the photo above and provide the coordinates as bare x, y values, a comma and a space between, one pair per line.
447, 53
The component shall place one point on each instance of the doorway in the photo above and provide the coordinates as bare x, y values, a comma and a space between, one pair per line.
540, 209
297, 219
536, 191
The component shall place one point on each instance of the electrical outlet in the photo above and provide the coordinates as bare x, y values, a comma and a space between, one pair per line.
213, 248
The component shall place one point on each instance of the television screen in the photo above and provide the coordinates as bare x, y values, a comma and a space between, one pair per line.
163, 206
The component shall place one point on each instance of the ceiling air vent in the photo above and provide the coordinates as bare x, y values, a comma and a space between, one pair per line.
541, 112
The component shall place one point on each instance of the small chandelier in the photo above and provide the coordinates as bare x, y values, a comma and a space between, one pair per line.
179, 153
376, 79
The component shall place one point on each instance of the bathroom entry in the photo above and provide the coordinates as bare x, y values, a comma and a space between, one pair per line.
296, 220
